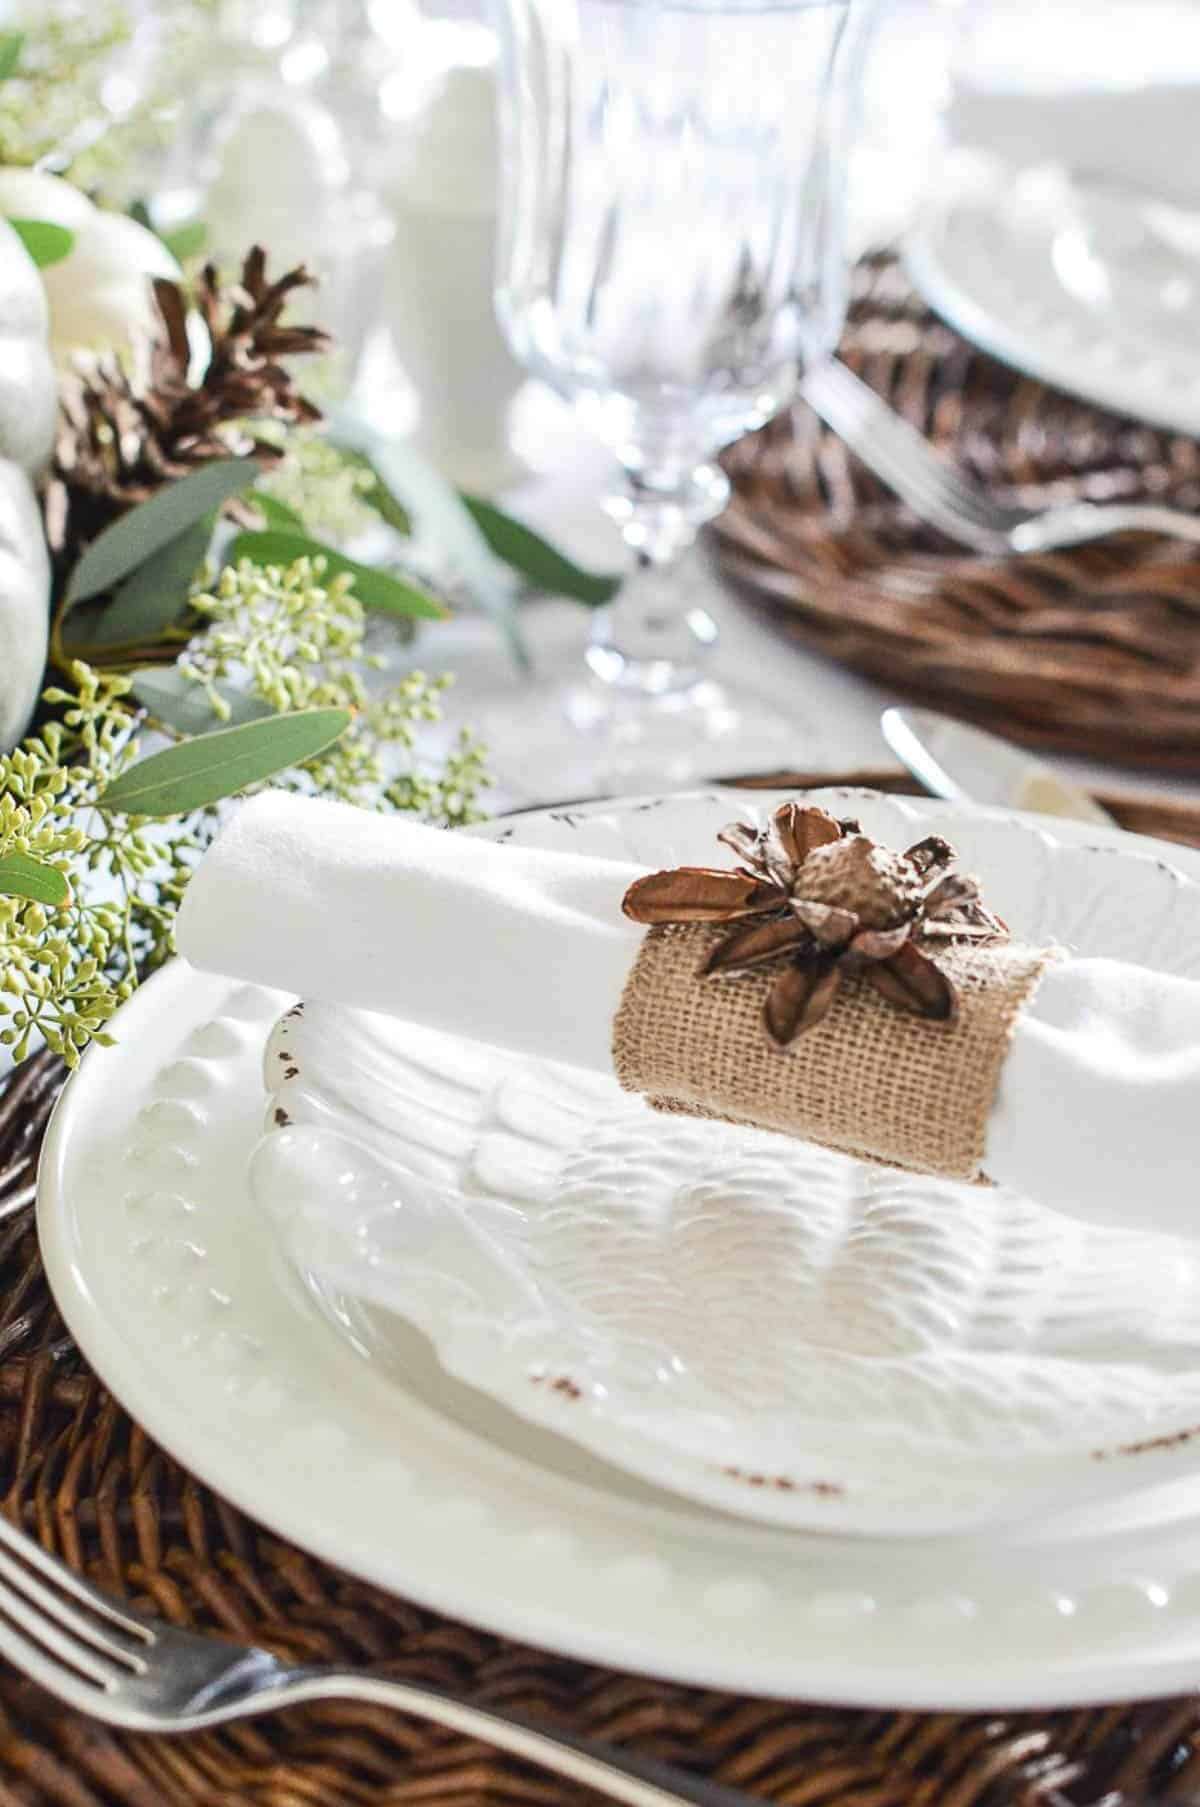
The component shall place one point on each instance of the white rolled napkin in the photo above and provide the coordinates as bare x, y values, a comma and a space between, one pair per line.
510, 946
1097, 1112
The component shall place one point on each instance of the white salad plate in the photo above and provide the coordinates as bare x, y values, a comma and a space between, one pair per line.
333, 1421
1094, 296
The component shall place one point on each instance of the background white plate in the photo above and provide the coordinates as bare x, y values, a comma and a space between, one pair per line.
1011, 266
168, 1279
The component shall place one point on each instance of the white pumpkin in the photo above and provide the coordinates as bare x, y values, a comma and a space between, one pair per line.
28, 410
100, 294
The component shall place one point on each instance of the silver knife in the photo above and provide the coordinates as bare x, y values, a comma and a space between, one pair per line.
968, 766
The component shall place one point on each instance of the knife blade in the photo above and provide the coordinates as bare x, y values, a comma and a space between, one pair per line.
966, 765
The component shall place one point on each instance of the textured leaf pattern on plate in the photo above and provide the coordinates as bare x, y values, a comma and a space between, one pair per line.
726, 1299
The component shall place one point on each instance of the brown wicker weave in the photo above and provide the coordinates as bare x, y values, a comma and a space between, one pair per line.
1095, 650
81, 1476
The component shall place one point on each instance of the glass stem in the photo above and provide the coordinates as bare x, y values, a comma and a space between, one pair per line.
653, 638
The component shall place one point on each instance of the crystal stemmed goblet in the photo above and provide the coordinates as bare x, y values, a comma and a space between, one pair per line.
670, 260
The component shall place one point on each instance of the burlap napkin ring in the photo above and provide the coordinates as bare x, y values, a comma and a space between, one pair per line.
827, 988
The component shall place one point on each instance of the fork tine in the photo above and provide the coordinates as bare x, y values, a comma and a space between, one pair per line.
906, 450
902, 458
925, 496
18, 1621
33, 1661
930, 500
29, 1596
63, 1578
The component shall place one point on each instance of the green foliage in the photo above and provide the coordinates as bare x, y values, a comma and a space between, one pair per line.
375, 589
10, 52
341, 488
326, 492
54, 78
206, 768
186, 241
45, 242
155, 594
296, 641
280, 634
277, 641
445, 525
171, 511
276, 514
378, 496
53, 95
182, 706
65, 970
542, 566
23, 876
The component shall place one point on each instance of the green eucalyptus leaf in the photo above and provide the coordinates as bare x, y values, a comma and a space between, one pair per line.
216, 765
21, 875
45, 242
131, 539
375, 589
11, 45
182, 704
540, 563
84, 629
441, 516
186, 241
276, 513
155, 595
379, 496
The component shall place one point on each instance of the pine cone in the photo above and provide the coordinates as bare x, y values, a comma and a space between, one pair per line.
121, 437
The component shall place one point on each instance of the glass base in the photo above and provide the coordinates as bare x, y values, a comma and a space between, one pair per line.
643, 740
594, 739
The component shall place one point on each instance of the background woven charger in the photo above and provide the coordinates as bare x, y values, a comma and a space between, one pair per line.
78, 1474
1095, 651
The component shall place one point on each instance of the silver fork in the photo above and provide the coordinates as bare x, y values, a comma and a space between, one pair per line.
100, 1656
943, 496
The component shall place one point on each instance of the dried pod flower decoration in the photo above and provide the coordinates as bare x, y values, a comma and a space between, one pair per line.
820, 899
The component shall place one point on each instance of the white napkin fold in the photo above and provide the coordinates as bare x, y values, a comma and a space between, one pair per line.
506, 945
1098, 1109
1144, 141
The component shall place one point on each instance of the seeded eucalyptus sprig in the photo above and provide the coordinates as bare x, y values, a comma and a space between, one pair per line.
66, 968
294, 638
273, 688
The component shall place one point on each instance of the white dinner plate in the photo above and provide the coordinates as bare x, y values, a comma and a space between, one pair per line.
1036, 274
174, 1286
763, 1325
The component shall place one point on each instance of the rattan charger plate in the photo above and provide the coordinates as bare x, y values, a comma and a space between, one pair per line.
1094, 651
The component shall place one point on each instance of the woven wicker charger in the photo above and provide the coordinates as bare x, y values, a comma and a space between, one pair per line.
80, 1475
1093, 651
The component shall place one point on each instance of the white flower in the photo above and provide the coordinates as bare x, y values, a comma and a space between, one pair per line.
100, 295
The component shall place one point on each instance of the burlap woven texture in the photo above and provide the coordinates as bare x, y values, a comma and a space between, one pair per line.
870, 1080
